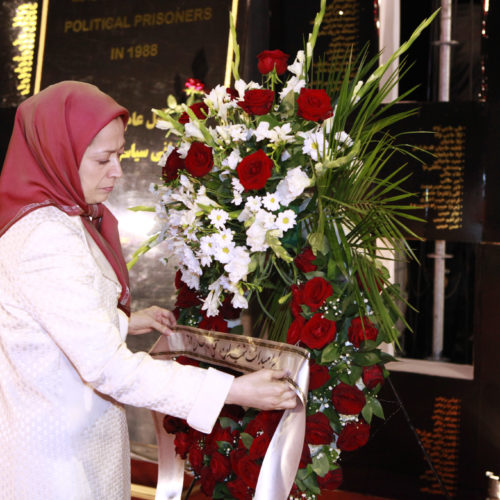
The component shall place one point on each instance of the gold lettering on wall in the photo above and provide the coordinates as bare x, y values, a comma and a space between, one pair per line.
26, 20
146, 20
442, 445
341, 25
446, 196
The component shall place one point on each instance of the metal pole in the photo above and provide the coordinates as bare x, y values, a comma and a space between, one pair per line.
440, 245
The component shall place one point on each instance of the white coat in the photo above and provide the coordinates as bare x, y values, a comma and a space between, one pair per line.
65, 369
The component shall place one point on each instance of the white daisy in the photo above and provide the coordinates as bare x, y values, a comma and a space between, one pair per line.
271, 201
286, 220
218, 217
253, 203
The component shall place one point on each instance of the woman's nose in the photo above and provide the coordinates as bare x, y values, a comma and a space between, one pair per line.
116, 170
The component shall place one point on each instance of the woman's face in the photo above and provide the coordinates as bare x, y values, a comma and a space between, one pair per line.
100, 165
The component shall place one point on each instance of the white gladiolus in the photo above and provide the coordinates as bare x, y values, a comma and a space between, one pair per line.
232, 161
192, 129
281, 134
237, 267
262, 131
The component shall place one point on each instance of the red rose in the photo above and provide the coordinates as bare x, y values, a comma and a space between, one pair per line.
315, 292
232, 93
214, 323
251, 470
218, 434
196, 458
318, 332
305, 458
200, 109
174, 163
318, 429
295, 330
257, 101
296, 301
304, 261
186, 297
174, 424
348, 399
331, 481
195, 84
361, 329
353, 436
182, 442
314, 105
372, 376
254, 170
227, 310
207, 481
239, 489
220, 466
235, 458
269, 59
318, 376
199, 160
265, 421
259, 446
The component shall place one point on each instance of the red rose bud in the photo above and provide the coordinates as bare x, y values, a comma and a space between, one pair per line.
174, 163
269, 59
353, 436
195, 84
318, 429
254, 170
314, 105
295, 330
304, 261
199, 160
373, 376
361, 329
200, 109
347, 399
315, 292
331, 481
318, 332
257, 101
318, 376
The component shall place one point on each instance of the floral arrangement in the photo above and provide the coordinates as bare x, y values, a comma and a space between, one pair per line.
272, 200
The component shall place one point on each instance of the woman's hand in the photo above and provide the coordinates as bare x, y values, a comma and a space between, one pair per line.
152, 318
264, 390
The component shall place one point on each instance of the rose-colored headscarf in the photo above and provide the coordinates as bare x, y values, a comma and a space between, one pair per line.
51, 132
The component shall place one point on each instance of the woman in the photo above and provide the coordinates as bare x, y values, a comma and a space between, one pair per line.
65, 370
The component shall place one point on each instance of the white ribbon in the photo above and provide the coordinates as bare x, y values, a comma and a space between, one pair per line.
243, 354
